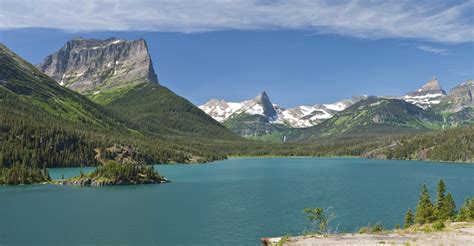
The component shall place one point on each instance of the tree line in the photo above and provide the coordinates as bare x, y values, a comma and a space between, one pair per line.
443, 209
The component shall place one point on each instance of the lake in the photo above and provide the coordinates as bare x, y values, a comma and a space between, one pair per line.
232, 202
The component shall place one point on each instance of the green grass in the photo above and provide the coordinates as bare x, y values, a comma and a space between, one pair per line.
108, 96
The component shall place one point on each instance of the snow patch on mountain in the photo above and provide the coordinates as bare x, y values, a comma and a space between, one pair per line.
297, 117
428, 95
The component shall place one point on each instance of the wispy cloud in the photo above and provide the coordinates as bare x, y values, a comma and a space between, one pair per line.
433, 50
433, 20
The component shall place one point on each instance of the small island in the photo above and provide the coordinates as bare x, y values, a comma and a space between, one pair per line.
113, 173
119, 165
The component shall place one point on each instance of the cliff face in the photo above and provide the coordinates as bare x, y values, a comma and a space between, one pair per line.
92, 65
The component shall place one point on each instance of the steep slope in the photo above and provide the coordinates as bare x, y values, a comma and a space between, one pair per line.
372, 117
93, 65
22, 82
158, 111
428, 95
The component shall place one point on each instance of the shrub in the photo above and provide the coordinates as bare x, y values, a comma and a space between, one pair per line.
377, 228
438, 225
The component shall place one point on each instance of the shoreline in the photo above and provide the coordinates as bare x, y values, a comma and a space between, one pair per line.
455, 233
338, 157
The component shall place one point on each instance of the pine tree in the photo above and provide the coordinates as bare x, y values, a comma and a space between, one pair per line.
450, 206
466, 212
424, 208
440, 206
409, 218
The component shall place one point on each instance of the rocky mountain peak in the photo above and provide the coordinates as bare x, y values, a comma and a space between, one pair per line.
95, 65
428, 95
263, 100
431, 87
263, 96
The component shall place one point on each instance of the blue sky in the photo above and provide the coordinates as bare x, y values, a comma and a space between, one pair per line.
300, 52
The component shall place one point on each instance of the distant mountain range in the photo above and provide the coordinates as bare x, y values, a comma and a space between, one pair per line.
94, 95
297, 117
432, 108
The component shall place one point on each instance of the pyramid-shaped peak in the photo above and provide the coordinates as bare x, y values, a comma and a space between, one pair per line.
263, 96
431, 87
433, 84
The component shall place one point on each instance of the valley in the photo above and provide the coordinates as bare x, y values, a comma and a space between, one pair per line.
95, 94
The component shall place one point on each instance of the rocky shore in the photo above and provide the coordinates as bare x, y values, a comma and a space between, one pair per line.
86, 181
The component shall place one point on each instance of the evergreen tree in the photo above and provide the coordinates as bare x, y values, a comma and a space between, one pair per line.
450, 206
424, 208
466, 212
409, 218
440, 206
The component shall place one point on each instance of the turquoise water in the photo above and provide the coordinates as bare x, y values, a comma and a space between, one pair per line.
233, 202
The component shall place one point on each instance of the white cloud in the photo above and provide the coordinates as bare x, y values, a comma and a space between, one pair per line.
433, 50
432, 20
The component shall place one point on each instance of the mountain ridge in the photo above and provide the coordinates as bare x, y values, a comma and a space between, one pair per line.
440, 108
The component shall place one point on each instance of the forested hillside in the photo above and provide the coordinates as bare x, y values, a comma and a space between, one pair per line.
159, 112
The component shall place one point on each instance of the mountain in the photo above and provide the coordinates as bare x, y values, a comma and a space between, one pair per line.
221, 110
428, 95
93, 65
297, 117
118, 74
458, 106
373, 116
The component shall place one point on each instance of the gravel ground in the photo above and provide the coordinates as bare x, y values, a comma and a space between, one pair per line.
461, 233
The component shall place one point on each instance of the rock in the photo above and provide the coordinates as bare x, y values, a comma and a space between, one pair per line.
93, 65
